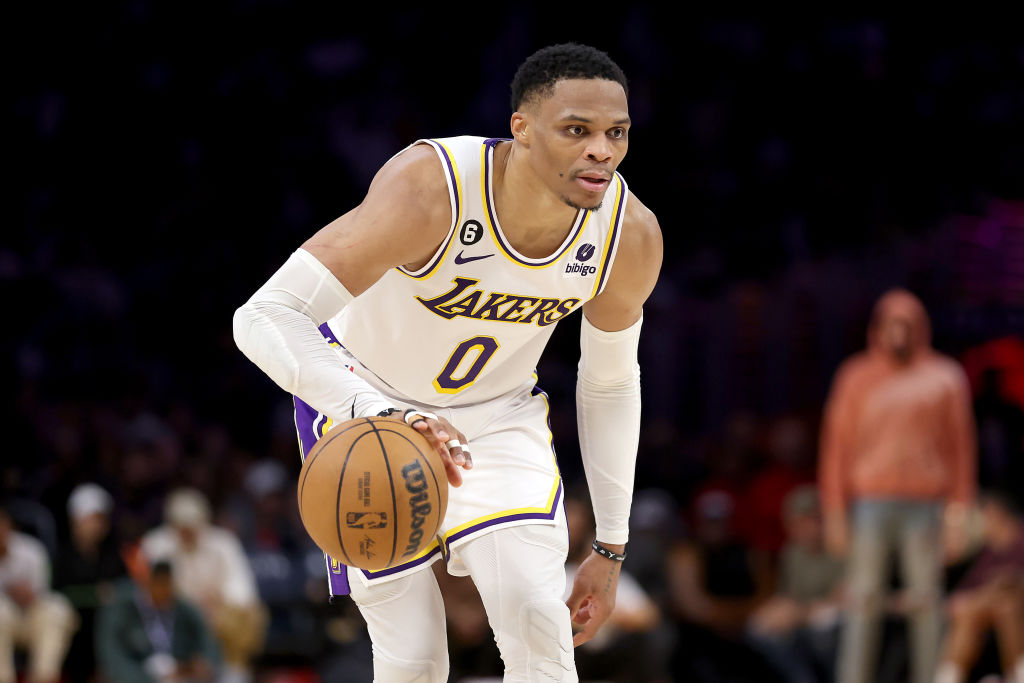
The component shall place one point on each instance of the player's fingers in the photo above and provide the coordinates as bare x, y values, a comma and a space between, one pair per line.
590, 627
575, 601
458, 445
432, 429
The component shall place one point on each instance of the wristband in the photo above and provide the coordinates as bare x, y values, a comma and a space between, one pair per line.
604, 552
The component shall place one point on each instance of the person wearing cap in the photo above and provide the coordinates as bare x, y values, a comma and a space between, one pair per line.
31, 615
211, 570
87, 566
797, 629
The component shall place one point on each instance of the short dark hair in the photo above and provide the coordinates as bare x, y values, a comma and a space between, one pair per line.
536, 77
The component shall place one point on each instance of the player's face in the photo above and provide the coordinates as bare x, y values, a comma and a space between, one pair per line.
577, 136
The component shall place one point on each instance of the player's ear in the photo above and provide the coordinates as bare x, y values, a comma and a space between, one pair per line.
521, 127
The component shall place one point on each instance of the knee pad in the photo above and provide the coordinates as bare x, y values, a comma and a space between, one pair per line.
547, 635
388, 670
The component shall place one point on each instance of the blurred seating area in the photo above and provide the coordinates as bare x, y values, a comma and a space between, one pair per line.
166, 165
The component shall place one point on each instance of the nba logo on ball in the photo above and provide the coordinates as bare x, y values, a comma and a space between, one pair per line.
578, 267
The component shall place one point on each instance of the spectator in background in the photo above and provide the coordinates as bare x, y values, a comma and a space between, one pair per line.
147, 634
87, 566
629, 647
30, 614
211, 571
715, 584
897, 450
990, 597
797, 628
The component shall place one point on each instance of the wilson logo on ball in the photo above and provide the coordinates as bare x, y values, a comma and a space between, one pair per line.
419, 504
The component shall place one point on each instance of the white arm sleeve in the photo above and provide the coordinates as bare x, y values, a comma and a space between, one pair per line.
608, 416
277, 330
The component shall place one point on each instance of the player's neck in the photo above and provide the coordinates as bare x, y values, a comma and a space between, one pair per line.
533, 219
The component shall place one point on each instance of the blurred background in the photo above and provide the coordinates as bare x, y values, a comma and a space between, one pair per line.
167, 157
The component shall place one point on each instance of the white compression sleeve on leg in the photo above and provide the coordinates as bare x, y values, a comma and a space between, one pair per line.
608, 418
277, 330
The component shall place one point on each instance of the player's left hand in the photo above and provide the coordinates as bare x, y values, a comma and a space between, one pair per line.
593, 594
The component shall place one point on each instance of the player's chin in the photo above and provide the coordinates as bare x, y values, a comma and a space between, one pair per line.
590, 201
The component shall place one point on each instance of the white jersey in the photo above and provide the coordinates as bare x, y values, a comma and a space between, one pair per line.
471, 324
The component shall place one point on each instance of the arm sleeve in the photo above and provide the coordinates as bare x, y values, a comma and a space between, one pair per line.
608, 418
277, 330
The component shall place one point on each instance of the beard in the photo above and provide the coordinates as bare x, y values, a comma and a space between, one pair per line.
580, 207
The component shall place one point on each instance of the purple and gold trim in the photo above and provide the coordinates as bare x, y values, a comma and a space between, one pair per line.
307, 422
311, 425
455, 194
611, 243
486, 181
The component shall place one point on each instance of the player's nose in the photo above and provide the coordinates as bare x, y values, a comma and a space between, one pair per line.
599, 149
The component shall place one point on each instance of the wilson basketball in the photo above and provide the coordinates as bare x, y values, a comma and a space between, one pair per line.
372, 493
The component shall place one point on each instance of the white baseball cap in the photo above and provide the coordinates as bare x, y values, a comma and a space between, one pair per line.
187, 507
88, 499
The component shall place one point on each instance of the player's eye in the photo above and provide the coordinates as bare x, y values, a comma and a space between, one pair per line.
575, 130
618, 133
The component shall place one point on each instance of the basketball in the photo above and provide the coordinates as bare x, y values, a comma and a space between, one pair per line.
372, 493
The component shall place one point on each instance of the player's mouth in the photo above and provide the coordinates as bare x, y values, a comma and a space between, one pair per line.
593, 182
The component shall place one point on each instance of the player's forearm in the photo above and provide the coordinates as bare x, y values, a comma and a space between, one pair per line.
608, 417
277, 330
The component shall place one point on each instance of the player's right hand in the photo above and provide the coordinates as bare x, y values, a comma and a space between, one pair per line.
440, 433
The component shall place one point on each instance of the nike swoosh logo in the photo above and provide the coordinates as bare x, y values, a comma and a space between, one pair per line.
460, 259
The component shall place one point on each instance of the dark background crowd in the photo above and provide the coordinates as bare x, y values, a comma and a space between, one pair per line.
165, 158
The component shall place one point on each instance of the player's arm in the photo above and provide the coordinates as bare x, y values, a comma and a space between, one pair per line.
402, 220
608, 407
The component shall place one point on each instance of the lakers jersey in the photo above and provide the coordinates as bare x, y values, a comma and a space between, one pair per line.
471, 324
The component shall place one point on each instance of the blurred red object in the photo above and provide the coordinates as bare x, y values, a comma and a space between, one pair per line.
1005, 355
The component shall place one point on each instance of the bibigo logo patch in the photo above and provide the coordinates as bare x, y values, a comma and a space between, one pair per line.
578, 266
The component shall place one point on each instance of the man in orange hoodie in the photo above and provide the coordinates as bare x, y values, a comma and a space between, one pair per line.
897, 470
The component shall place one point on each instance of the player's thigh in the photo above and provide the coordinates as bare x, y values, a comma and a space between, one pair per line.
404, 617
520, 574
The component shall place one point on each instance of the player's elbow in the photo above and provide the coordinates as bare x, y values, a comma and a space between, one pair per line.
242, 327
262, 342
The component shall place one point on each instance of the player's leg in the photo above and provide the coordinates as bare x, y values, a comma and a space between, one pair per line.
520, 573
405, 619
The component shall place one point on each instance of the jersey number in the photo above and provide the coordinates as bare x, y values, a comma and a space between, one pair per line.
449, 382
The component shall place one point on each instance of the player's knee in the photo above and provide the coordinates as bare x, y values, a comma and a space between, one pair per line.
387, 669
547, 635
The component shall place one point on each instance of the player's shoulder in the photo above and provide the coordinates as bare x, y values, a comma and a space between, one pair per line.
641, 232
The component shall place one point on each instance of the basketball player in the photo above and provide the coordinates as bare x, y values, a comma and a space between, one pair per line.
437, 294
